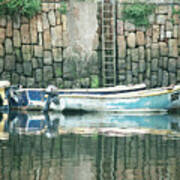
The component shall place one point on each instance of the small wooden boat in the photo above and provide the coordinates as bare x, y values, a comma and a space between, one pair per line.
118, 99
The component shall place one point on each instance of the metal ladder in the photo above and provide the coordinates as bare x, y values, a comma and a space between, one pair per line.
108, 43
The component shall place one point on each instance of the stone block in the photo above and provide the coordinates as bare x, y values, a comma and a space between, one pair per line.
120, 27
162, 32
39, 24
30, 82
38, 51
57, 69
165, 63
175, 31
172, 78
154, 65
27, 66
3, 21
18, 54
59, 83
1, 65
48, 58
25, 34
155, 50
148, 54
94, 81
6, 76
33, 30
38, 75
172, 65
148, 42
162, 9
141, 53
135, 55
163, 49
8, 46
156, 33
140, 38
45, 21
40, 38
131, 40
1, 50
154, 80
178, 75
168, 34
15, 78
47, 39
2, 35
121, 47
48, 73
16, 38
56, 36
19, 68
169, 26
23, 81
58, 18
129, 26
129, 77
17, 22
178, 63
173, 49
52, 18
135, 69
92, 64
27, 52
10, 63
68, 84
160, 77
57, 54
85, 82
9, 27
142, 66
161, 19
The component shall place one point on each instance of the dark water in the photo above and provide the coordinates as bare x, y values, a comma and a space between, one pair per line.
55, 147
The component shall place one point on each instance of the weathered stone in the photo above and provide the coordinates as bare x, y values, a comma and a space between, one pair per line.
121, 64
17, 22
57, 54
162, 32
128, 62
58, 18
176, 19
175, 31
172, 65
161, 19
148, 42
93, 63
154, 65
24, 20
120, 27
2, 21
131, 40
48, 72
169, 26
151, 18
18, 54
40, 38
16, 38
148, 54
23, 81
155, 50
39, 23
33, 30
38, 75
155, 33
47, 39
19, 68
142, 66
45, 21
172, 78
163, 49
173, 50
27, 68
121, 47
141, 52
10, 63
64, 23
1, 50
165, 63
9, 27
56, 36
26, 52
68, 84
2, 35
160, 64
15, 79
8, 46
160, 77
148, 70
47, 58
140, 38
30, 82
121, 77
85, 82
135, 69
154, 80
135, 55
1, 65
140, 78
178, 63
129, 27
94, 81
59, 83
69, 68
178, 75
57, 69
35, 63
6, 76
52, 18
45, 7
168, 34
162, 9
129, 77
38, 51
25, 36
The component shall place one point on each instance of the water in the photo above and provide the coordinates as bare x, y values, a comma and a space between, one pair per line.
89, 147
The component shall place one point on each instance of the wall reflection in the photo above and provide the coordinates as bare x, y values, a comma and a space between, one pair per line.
35, 149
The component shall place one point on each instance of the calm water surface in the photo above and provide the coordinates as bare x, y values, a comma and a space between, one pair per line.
89, 147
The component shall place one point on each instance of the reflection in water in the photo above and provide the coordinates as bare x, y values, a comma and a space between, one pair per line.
37, 149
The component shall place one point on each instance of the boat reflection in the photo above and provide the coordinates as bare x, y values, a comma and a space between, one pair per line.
110, 124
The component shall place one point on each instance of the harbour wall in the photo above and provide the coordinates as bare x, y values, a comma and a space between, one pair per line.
65, 49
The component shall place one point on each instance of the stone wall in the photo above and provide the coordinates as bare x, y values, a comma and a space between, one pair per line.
150, 55
39, 51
